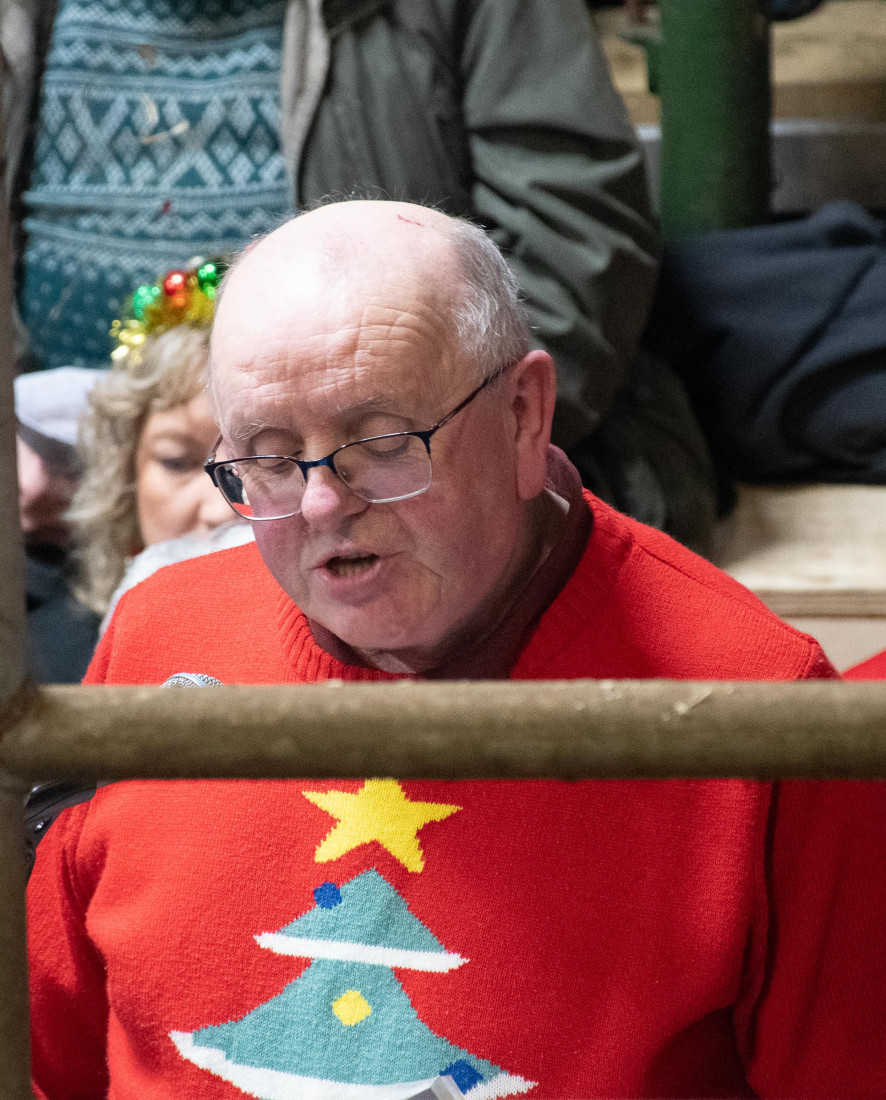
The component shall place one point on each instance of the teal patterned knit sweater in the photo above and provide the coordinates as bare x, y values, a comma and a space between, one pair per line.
157, 140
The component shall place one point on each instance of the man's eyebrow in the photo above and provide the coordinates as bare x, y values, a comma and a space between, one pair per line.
248, 429
381, 403
242, 433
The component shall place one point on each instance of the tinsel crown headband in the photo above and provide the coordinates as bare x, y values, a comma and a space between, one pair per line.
181, 297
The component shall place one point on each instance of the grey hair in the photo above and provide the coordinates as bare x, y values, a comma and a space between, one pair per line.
491, 322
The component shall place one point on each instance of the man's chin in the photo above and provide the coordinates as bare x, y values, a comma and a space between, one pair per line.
374, 640
368, 637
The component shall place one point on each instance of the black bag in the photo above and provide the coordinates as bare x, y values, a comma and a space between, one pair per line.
780, 335
45, 803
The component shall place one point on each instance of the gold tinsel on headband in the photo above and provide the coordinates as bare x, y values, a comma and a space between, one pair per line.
181, 297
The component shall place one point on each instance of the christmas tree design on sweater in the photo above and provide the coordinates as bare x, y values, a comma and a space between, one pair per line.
345, 1028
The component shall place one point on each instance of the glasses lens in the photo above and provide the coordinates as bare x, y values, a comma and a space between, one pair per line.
389, 467
262, 488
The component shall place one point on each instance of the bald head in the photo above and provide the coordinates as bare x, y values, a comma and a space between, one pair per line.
408, 236
347, 231
345, 253
345, 380
351, 251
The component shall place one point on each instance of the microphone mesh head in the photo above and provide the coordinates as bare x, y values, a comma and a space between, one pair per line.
191, 680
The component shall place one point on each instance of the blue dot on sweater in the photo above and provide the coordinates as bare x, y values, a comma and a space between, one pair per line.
327, 895
463, 1074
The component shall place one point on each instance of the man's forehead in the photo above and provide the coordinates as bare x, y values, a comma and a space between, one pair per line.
307, 301
308, 338
301, 385
239, 425
367, 357
350, 311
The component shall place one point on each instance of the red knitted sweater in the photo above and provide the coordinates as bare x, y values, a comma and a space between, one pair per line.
874, 668
349, 941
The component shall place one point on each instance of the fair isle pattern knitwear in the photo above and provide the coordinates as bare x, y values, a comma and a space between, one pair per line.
157, 140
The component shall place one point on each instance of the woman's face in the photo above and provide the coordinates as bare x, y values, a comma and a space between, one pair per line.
173, 494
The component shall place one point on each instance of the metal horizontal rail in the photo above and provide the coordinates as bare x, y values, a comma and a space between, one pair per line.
577, 729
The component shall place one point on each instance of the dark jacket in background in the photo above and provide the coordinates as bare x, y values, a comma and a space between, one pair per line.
780, 333
61, 632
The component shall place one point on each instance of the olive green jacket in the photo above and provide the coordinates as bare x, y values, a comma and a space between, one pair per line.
502, 111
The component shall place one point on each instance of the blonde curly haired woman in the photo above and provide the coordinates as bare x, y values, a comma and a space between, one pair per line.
144, 439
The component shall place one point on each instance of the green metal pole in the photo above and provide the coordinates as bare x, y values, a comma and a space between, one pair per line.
715, 110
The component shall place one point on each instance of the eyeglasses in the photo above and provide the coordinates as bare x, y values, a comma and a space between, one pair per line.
379, 470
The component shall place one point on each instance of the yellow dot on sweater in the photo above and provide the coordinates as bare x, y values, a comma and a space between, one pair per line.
351, 1007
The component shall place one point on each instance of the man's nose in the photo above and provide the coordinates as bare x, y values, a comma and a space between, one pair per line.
326, 498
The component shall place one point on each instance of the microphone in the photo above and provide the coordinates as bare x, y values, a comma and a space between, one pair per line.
191, 680
47, 800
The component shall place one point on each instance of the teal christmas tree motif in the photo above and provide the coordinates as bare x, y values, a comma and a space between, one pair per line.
345, 1028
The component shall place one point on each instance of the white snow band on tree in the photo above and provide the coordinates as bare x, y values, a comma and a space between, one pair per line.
341, 1011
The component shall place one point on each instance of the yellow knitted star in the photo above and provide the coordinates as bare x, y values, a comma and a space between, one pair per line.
378, 811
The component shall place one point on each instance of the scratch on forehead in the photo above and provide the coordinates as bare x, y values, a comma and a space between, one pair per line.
410, 221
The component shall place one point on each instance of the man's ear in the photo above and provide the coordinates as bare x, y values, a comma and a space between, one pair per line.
533, 388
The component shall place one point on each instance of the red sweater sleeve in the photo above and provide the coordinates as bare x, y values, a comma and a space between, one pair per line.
874, 668
68, 995
815, 1027
98, 667
67, 975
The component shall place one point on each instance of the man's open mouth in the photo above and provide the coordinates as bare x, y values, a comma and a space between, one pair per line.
351, 564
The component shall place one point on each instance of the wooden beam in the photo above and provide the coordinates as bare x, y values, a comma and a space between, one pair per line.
15, 1070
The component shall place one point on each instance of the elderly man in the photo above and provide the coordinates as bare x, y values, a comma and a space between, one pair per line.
385, 425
